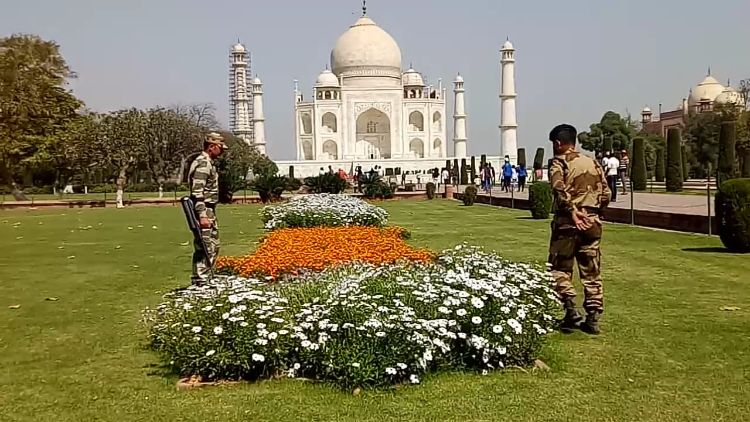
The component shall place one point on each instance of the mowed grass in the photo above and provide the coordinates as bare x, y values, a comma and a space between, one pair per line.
668, 352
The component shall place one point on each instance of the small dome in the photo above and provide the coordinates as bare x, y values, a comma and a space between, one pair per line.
327, 79
459, 78
730, 97
366, 47
507, 45
238, 48
707, 90
646, 110
257, 81
412, 78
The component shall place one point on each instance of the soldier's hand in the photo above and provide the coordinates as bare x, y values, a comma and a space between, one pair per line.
581, 220
205, 223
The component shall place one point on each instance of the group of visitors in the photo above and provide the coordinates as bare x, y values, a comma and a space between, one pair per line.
513, 175
616, 169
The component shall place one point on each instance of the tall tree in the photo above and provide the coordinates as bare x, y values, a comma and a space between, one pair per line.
638, 169
674, 160
34, 103
169, 138
727, 162
121, 146
613, 131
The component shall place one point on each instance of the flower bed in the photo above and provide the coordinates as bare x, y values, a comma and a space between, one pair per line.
289, 251
323, 210
359, 324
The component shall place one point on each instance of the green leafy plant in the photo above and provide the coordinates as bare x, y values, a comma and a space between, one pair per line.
540, 200
733, 214
378, 190
727, 161
270, 187
326, 183
539, 159
660, 171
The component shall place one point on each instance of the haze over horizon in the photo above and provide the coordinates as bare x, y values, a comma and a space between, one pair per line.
575, 60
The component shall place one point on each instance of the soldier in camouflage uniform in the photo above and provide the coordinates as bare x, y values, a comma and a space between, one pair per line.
204, 189
581, 194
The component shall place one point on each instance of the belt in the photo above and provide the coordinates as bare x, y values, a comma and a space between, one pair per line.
210, 205
592, 210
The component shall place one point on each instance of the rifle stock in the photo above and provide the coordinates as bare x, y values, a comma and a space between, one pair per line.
188, 207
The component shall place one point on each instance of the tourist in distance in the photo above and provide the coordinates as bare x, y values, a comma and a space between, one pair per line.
507, 174
612, 169
623, 170
522, 174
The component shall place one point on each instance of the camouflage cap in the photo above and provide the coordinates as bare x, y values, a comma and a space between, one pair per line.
215, 138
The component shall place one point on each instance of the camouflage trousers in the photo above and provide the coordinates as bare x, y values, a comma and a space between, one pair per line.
210, 237
569, 246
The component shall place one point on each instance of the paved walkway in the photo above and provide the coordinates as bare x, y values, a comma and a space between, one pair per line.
662, 202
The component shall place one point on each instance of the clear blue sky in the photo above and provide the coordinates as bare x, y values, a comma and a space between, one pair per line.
575, 59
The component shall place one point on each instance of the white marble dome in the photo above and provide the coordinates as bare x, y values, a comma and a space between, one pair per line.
327, 79
707, 90
507, 45
730, 97
238, 48
413, 78
365, 49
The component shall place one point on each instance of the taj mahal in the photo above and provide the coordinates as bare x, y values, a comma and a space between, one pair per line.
365, 110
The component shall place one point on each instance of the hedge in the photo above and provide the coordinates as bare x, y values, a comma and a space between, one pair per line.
521, 157
470, 195
733, 214
464, 172
539, 159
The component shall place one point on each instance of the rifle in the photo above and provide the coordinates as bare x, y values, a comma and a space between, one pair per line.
188, 207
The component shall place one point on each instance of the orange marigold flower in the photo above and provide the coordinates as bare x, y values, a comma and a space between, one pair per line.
288, 251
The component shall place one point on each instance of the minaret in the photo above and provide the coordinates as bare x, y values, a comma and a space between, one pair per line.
459, 118
508, 125
259, 121
240, 106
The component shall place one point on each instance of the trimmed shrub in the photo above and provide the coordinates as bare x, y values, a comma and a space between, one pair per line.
521, 157
540, 200
473, 172
674, 160
291, 172
464, 173
483, 159
539, 159
410, 187
470, 195
292, 185
457, 167
448, 166
733, 213
638, 170
326, 183
660, 165
727, 165
431, 189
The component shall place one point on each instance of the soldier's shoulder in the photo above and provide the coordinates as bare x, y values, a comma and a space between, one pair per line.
579, 160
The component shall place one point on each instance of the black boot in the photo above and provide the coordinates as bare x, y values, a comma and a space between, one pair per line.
572, 318
591, 325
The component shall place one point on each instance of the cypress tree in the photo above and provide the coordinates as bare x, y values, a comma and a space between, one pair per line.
455, 166
727, 166
685, 165
483, 159
539, 159
674, 160
464, 174
448, 166
291, 172
638, 169
746, 163
660, 164
522, 157
473, 172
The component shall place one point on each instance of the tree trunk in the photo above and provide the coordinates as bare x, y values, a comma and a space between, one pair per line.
181, 173
121, 180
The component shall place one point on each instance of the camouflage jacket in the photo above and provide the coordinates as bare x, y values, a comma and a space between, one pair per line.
204, 183
577, 182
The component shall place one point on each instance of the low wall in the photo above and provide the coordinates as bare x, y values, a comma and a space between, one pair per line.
688, 223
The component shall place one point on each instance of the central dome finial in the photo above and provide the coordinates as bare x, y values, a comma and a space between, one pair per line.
364, 7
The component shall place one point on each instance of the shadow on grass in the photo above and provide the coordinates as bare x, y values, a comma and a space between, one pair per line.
528, 217
713, 249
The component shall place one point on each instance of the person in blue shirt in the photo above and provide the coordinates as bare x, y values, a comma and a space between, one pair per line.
522, 174
507, 174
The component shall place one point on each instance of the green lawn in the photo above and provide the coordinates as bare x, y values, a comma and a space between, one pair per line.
668, 353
